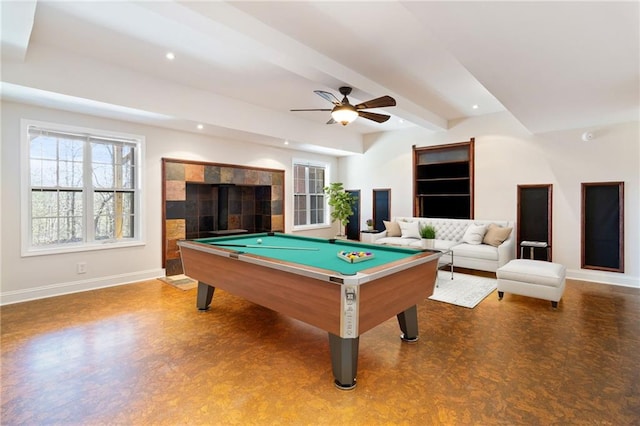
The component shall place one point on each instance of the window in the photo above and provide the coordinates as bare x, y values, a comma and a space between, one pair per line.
308, 194
82, 189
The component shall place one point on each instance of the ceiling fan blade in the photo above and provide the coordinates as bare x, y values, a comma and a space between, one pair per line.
380, 118
313, 109
331, 121
328, 96
381, 102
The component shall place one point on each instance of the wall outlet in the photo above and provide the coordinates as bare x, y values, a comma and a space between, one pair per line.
81, 267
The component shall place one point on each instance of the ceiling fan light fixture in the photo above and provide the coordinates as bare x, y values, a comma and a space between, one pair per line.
344, 114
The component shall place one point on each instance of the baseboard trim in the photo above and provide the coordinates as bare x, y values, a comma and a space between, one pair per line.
18, 296
43, 292
603, 277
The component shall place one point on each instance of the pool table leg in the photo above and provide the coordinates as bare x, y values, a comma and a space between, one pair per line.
205, 295
408, 321
344, 360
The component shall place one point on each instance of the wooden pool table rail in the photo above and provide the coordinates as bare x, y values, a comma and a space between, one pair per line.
286, 293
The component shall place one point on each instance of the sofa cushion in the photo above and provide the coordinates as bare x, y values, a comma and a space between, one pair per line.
474, 234
496, 235
409, 229
444, 244
396, 241
533, 271
393, 229
437, 244
478, 251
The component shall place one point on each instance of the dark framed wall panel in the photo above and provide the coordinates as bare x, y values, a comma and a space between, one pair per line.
603, 226
535, 218
381, 207
353, 227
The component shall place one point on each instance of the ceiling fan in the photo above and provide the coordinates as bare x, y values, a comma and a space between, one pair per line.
344, 113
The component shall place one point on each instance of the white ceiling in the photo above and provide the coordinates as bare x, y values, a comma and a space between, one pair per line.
241, 66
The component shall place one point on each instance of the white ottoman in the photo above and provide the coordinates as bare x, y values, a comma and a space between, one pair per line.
533, 278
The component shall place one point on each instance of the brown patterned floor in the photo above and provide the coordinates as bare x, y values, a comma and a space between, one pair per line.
141, 354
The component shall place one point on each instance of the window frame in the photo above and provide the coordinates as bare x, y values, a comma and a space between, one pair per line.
326, 223
88, 242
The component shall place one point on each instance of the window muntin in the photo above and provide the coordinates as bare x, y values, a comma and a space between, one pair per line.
309, 204
83, 189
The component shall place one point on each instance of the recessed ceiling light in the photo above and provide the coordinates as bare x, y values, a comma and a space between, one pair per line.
200, 126
170, 56
286, 142
475, 106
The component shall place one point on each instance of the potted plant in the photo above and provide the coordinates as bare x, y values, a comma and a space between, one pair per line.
370, 224
428, 235
341, 203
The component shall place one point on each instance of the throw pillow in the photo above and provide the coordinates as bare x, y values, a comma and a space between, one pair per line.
393, 229
496, 235
474, 234
409, 229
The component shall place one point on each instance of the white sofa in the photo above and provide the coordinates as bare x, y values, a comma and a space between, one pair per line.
450, 234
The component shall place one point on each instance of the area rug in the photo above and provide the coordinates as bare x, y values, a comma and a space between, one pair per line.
463, 290
181, 282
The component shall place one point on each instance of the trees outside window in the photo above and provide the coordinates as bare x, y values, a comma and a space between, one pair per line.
83, 188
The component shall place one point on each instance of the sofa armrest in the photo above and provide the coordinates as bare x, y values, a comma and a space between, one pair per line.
506, 251
377, 236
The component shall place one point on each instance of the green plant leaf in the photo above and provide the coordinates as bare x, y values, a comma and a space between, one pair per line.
340, 201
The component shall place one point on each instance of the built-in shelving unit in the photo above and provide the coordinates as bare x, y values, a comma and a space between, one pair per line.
443, 180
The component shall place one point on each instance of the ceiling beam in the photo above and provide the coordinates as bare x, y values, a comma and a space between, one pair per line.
16, 18
128, 89
288, 53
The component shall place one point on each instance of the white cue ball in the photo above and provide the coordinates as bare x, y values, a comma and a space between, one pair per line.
259, 241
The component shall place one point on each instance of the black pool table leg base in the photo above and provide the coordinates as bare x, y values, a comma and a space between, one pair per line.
408, 321
205, 295
344, 361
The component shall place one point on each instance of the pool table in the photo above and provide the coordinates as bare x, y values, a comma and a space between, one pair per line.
304, 278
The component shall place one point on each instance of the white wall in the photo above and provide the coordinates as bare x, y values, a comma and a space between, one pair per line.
506, 156
26, 278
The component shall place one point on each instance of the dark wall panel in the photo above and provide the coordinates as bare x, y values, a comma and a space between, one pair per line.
381, 207
602, 226
534, 218
353, 227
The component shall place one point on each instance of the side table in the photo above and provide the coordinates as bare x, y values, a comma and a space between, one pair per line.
532, 245
445, 264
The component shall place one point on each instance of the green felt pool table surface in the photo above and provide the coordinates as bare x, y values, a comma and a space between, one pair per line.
315, 252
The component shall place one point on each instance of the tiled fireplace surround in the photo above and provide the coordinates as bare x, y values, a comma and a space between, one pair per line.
194, 205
